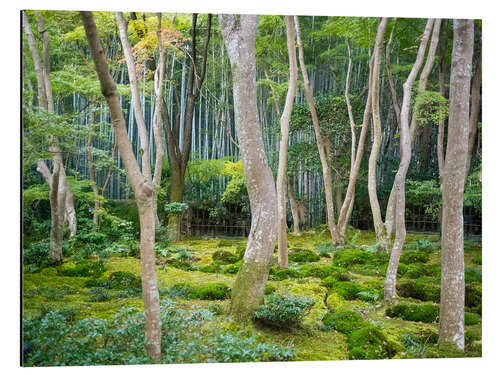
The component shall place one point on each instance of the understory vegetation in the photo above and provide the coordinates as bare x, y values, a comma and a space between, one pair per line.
89, 310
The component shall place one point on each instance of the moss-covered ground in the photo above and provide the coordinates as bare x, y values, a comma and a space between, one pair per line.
361, 266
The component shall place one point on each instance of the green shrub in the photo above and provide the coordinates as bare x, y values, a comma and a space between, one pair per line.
283, 311
302, 256
344, 322
83, 268
369, 342
240, 250
416, 313
471, 319
224, 256
124, 280
414, 256
215, 307
420, 289
472, 275
185, 255
37, 254
424, 244
182, 265
473, 295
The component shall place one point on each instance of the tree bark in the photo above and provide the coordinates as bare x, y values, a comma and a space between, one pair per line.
474, 111
383, 239
399, 181
320, 142
294, 208
284, 121
239, 35
451, 317
141, 186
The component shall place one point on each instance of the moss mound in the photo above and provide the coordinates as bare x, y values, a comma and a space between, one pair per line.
471, 319
83, 268
276, 273
416, 313
303, 256
208, 291
344, 322
414, 256
224, 256
420, 289
369, 343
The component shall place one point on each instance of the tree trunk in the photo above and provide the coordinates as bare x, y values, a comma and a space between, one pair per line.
474, 112
383, 239
451, 317
239, 34
284, 121
294, 208
56, 214
399, 181
142, 187
327, 176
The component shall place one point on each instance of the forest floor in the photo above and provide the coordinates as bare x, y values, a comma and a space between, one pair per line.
338, 280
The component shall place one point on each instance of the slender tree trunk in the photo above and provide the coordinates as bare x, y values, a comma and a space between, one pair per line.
327, 176
157, 125
239, 34
348, 204
399, 181
380, 230
284, 121
142, 187
294, 208
451, 317
474, 112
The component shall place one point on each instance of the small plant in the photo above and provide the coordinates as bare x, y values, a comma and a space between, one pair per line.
279, 274
473, 275
473, 295
283, 311
209, 291
424, 244
354, 239
99, 295
184, 254
270, 289
325, 249
420, 289
215, 307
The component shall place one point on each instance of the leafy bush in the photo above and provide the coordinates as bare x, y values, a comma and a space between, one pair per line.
302, 256
83, 268
319, 271
99, 295
420, 289
414, 256
224, 256
283, 311
344, 322
478, 260
369, 342
471, 319
215, 267
424, 244
416, 313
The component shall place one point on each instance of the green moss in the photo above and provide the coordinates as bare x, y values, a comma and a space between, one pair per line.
417, 270
233, 268
472, 275
414, 256
473, 295
420, 289
208, 291
417, 313
82, 268
369, 342
302, 256
224, 256
471, 319
276, 273
344, 322
346, 289
270, 288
